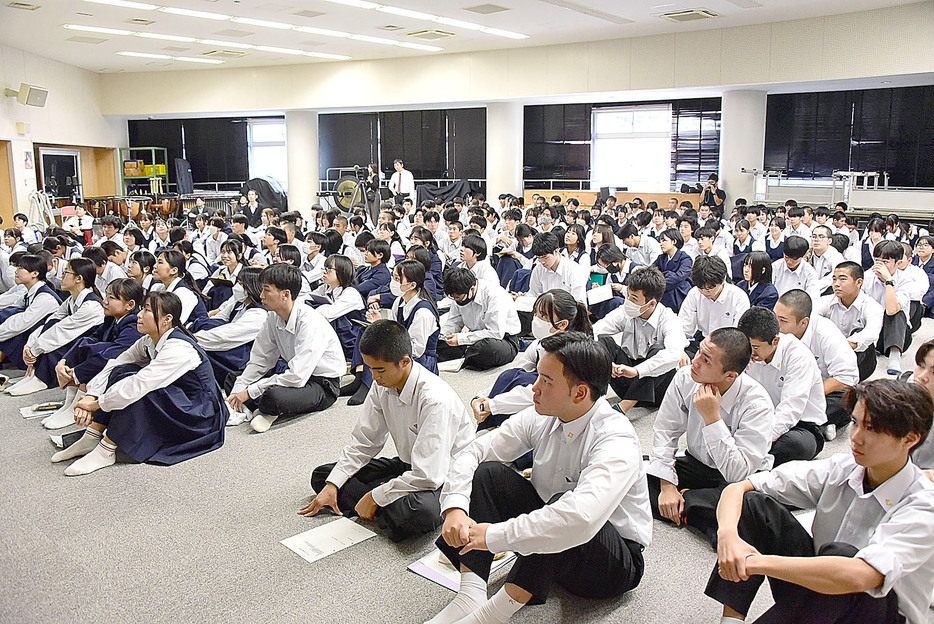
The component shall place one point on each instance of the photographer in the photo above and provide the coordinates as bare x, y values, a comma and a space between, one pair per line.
713, 196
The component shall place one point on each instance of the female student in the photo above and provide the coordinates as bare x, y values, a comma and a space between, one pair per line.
775, 239
29, 308
387, 232
13, 239
375, 275
195, 263
146, 226
231, 259
140, 269
88, 356
757, 280
676, 266
158, 400
133, 240
345, 303
160, 239
423, 237
575, 244
743, 244
602, 235
617, 267
170, 270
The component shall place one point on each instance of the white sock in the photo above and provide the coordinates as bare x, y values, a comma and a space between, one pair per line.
102, 456
28, 386
472, 594
730, 620
65, 415
496, 610
895, 360
84, 445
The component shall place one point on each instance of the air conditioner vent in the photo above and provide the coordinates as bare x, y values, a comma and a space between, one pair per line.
486, 9
224, 54
430, 34
688, 15
391, 28
139, 21
25, 6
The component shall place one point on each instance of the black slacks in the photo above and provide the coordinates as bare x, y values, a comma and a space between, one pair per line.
413, 514
700, 486
802, 442
483, 354
894, 333
649, 390
866, 362
606, 566
318, 394
770, 528
836, 415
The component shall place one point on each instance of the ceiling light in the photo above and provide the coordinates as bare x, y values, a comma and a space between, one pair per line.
405, 12
164, 57
420, 46
142, 6
228, 44
259, 22
189, 59
191, 13
360, 4
325, 55
504, 33
147, 35
322, 31
458, 23
370, 39
280, 50
97, 29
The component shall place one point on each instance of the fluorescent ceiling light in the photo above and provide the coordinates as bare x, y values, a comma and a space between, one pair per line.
325, 55
163, 57
97, 29
504, 33
228, 44
448, 21
191, 13
370, 39
280, 50
405, 12
419, 46
191, 59
142, 6
147, 35
322, 31
263, 23
360, 4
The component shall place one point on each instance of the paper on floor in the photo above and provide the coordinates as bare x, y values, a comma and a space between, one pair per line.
525, 303
451, 366
432, 569
319, 542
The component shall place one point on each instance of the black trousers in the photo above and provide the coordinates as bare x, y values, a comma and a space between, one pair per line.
606, 566
836, 415
700, 486
483, 354
649, 390
413, 514
802, 442
770, 528
318, 394
894, 333
866, 362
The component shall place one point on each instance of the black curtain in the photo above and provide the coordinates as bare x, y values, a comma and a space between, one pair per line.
557, 142
345, 140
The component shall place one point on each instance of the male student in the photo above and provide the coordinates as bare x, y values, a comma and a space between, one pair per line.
429, 425
711, 304
869, 557
474, 257
832, 353
640, 249
727, 419
303, 338
482, 325
450, 247
553, 271
707, 247
824, 258
888, 288
792, 271
581, 521
788, 372
644, 339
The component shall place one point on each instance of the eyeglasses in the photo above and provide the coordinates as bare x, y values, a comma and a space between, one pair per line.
818, 237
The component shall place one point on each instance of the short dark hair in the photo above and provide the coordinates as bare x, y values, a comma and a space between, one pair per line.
34, 264
888, 250
544, 244
458, 281
386, 340
112, 220
380, 248
840, 241
584, 359
893, 407
290, 254
759, 323
649, 281
127, 289
855, 269
145, 259
705, 232
795, 211
708, 271
85, 269
795, 247
674, 236
799, 302
278, 234
477, 245
284, 277
735, 348
96, 255
761, 263
343, 267
627, 231
110, 247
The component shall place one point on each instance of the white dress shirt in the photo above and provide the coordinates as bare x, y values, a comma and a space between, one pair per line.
313, 269
187, 296
422, 327
518, 398
403, 183
804, 277
485, 271
212, 247
239, 330
75, 318
794, 384
40, 306
824, 266
737, 445
492, 314
916, 282
568, 276
831, 351
698, 313
860, 323
593, 462
638, 337
690, 248
645, 252
892, 526
876, 290
162, 364
223, 273
429, 425
803, 231
343, 301
306, 341
111, 272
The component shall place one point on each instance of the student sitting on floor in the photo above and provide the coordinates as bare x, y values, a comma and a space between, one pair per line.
26, 308
553, 271
788, 372
884, 284
303, 338
231, 262
555, 311
792, 271
645, 340
140, 269
711, 304
482, 325
88, 356
583, 519
171, 272
675, 265
107, 271
757, 280
375, 275
869, 557
345, 303
158, 400
726, 417
428, 425
474, 257
80, 314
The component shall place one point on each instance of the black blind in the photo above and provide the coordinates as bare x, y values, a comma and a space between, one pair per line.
345, 140
557, 140
165, 133
695, 140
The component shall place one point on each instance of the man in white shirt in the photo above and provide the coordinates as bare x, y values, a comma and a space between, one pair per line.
796, 226
481, 326
640, 249
711, 304
474, 257
644, 339
402, 182
706, 246
583, 518
726, 417
216, 238
553, 271
824, 258
916, 285
787, 371
303, 338
428, 424
887, 286
792, 271
869, 558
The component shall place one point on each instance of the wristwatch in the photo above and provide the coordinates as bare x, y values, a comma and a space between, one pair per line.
889, 282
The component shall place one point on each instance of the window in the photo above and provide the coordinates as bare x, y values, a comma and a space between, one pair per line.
631, 147
268, 156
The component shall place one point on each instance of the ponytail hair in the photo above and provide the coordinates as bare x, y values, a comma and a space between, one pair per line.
560, 304
167, 304
176, 259
414, 271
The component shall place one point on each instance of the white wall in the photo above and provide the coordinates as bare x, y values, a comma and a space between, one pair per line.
72, 114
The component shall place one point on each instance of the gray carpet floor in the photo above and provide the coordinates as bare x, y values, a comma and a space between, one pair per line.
199, 542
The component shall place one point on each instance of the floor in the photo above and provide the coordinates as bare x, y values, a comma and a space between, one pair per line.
200, 541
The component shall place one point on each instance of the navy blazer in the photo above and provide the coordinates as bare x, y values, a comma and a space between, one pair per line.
764, 295
372, 279
677, 272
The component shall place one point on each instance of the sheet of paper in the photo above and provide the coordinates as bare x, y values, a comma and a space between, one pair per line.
327, 539
525, 303
451, 366
431, 568
599, 294
30, 412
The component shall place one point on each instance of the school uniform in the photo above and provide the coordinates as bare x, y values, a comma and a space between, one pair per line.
794, 383
512, 391
483, 270
834, 358
677, 271
88, 355
215, 294
568, 276
645, 252
759, 231
802, 230
866, 258
421, 321
74, 319
7, 279
804, 278
824, 266
371, 279
725, 452
308, 343
193, 311
583, 519
928, 268
763, 295
160, 402
652, 346
198, 268
228, 337
895, 330
775, 249
25, 311
891, 528
861, 324
916, 285
690, 248
212, 247
150, 284
700, 316
346, 306
429, 425
486, 329
508, 266
740, 251
111, 272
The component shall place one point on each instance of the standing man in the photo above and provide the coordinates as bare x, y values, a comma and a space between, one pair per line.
402, 183
713, 196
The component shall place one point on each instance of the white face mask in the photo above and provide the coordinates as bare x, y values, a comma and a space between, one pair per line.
541, 328
632, 309
396, 288
212, 230
239, 294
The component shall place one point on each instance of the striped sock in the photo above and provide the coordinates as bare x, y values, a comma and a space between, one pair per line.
107, 447
84, 445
